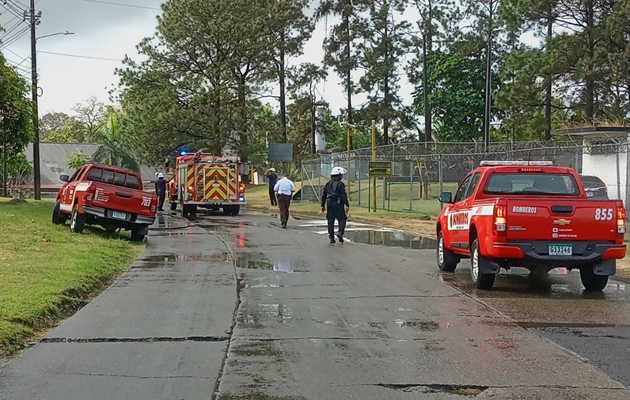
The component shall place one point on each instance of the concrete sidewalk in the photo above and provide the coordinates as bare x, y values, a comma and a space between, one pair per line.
159, 332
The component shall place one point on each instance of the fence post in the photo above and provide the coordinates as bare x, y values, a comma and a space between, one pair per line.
440, 178
357, 169
618, 172
410, 185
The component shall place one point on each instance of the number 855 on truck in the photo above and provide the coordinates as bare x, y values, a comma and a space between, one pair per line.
529, 214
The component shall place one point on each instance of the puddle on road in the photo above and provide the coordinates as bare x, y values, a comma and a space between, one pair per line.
183, 258
253, 261
391, 239
418, 324
518, 283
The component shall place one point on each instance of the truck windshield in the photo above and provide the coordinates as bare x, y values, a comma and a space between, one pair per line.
528, 183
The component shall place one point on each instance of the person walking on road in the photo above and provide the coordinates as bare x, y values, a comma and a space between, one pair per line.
160, 190
272, 179
334, 199
285, 189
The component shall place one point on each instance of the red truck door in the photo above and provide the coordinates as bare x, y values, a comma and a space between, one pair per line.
67, 196
460, 212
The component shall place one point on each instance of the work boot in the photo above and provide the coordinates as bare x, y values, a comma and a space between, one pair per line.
340, 238
332, 240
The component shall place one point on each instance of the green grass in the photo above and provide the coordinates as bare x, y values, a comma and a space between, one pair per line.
47, 272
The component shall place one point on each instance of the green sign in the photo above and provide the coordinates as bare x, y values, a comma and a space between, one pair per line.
380, 168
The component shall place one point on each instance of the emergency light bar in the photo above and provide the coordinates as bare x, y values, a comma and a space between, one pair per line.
496, 163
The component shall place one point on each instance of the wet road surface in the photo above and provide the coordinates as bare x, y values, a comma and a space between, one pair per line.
342, 321
237, 308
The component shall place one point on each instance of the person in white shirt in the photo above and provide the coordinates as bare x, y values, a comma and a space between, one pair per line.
284, 189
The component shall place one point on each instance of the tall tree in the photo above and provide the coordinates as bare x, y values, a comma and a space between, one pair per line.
114, 148
436, 18
91, 113
339, 50
61, 127
288, 30
15, 115
384, 42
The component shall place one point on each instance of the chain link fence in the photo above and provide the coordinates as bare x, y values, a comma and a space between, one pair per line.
420, 171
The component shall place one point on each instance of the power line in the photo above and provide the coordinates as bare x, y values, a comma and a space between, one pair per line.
79, 56
122, 4
14, 38
10, 7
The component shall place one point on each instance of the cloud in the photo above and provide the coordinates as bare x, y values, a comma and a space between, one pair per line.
111, 31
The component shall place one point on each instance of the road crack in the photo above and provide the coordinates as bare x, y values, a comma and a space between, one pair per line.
237, 306
138, 340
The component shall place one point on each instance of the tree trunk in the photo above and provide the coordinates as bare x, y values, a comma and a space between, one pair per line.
427, 46
349, 71
590, 79
548, 80
242, 126
283, 100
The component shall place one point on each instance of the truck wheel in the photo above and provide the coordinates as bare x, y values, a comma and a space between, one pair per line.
480, 280
77, 221
234, 210
226, 210
591, 281
136, 237
446, 259
58, 218
173, 206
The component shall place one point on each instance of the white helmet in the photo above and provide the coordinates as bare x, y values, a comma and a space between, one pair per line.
160, 175
338, 171
272, 169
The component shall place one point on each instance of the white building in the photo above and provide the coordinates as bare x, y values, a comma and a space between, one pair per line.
605, 155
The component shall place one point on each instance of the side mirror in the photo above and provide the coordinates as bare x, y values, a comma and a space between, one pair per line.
64, 178
446, 197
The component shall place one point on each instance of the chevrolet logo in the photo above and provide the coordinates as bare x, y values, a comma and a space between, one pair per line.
562, 222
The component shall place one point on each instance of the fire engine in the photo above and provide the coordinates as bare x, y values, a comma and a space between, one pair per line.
207, 181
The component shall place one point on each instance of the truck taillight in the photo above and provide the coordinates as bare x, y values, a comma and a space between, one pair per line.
621, 220
241, 188
499, 226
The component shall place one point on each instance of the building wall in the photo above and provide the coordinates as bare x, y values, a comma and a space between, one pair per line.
605, 167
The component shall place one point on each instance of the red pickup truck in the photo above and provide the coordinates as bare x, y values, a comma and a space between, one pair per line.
529, 214
108, 196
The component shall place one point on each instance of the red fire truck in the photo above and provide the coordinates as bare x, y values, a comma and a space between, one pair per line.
207, 181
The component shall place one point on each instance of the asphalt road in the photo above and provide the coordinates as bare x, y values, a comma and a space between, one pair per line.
238, 308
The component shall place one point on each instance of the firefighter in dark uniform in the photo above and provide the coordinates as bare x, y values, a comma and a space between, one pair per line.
160, 190
335, 204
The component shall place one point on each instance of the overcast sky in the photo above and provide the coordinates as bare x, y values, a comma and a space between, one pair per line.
103, 35
106, 32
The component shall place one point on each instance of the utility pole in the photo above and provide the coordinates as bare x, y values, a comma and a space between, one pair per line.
34, 21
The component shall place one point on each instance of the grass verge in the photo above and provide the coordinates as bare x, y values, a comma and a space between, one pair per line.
47, 272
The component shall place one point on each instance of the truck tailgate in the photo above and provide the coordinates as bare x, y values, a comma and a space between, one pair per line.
122, 199
574, 219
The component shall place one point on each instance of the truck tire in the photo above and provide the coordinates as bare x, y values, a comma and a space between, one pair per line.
446, 260
136, 237
480, 280
234, 210
77, 221
173, 206
591, 281
58, 218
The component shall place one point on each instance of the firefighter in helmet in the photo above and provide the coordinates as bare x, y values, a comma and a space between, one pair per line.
160, 190
335, 204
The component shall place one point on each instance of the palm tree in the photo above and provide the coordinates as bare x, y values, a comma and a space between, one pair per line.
113, 149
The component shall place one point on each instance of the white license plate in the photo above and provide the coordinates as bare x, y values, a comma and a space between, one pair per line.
118, 214
556, 249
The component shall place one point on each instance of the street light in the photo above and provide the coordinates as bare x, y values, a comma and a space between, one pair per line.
34, 19
66, 33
